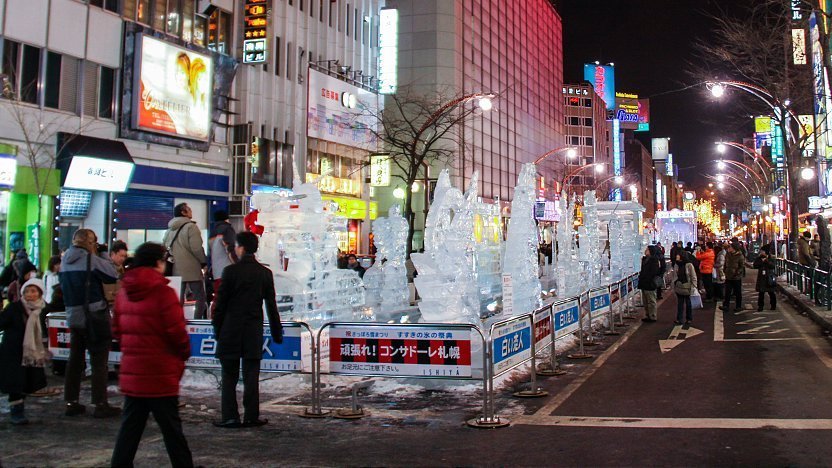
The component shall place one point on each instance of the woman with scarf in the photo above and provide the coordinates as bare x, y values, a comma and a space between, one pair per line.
23, 355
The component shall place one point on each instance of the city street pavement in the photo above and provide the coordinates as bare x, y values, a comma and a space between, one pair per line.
735, 388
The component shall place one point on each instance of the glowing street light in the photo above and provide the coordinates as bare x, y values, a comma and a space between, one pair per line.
807, 173
721, 185
720, 147
571, 153
774, 200
721, 165
720, 178
485, 103
619, 180
599, 167
718, 90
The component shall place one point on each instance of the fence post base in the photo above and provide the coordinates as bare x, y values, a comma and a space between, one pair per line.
547, 370
531, 393
611, 333
349, 413
312, 413
580, 356
488, 423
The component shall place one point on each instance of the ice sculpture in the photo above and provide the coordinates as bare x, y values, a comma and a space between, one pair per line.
622, 221
522, 243
567, 270
590, 241
447, 281
488, 235
386, 280
300, 245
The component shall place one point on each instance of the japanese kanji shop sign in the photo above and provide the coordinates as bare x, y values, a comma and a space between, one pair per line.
255, 29
400, 351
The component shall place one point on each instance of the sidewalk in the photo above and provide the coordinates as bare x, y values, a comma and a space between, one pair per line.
805, 305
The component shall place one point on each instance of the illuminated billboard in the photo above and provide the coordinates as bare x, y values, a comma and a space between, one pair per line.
255, 29
627, 110
388, 52
660, 148
87, 173
173, 88
341, 112
643, 115
602, 78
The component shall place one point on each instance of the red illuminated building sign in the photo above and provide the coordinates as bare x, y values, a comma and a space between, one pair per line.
255, 31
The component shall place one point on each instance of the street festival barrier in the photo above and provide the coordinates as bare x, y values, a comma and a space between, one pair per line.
423, 351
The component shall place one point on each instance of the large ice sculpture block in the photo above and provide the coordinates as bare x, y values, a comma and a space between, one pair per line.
522, 244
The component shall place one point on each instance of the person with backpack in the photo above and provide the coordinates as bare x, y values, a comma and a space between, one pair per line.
684, 286
184, 243
766, 278
734, 272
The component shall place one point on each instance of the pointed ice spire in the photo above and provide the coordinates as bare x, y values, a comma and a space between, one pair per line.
473, 188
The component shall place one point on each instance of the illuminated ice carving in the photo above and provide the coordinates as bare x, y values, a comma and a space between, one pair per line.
522, 243
446, 278
590, 241
386, 280
300, 245
568, 271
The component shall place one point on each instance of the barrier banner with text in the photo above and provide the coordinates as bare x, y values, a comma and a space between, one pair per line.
542, 328
567, 317
400, 351
599, 302
511, 344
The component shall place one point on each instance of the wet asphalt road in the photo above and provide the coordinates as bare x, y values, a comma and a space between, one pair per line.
736, 388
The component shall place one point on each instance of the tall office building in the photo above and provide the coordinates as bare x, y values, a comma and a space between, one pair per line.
588, 131
511, 49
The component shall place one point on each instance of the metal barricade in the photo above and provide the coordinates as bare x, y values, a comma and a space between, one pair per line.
422, 351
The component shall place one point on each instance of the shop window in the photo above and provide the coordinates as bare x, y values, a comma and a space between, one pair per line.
174, 16
106, 93
29, 72
109, 5
219, 31
200, 23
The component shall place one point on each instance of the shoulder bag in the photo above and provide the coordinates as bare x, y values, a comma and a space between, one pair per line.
169, 260
97, 321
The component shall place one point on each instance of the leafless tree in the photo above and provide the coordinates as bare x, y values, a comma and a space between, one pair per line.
418, 131
37, 129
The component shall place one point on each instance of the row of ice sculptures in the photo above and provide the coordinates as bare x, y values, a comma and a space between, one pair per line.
460, 274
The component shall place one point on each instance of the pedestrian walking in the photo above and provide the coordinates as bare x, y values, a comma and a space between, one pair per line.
719, 271
706, 259
804, 250
734, 273
118, 255
766, 278
238, 326
84, 271
149, 323
659, 279
648, 282
23, 354
221, 247
683, 286
184, 242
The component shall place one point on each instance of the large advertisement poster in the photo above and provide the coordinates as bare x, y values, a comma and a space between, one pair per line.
173, 89
341, 112
602, 78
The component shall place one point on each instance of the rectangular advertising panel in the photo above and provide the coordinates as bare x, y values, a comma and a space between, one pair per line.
400, 351
106, 175
255, 28
341, 112
511, 344
599, 302
627, 110
602, 78
660, 147
8, 170
643, 115
173, 89
388, 51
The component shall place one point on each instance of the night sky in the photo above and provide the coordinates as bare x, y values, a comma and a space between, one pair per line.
651, 44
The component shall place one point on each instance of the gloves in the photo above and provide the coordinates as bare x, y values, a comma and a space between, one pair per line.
277, 335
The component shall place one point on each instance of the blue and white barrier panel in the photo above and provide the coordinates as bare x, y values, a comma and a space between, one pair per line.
599, 302
511, 343
566, 315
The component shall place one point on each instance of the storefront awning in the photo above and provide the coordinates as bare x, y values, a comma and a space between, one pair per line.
89, 163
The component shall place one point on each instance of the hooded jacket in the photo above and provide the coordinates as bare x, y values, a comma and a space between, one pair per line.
149, 323
706, 261
73, 277
188, 251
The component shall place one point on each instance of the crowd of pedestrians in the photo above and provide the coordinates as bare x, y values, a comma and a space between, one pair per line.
709, 272
112, 298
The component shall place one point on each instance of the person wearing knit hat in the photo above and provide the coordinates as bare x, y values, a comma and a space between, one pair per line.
23, 355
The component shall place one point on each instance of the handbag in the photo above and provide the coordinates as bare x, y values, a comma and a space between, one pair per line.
771, 278
169, 260
682, 289
97, 322
695, 300
659, 282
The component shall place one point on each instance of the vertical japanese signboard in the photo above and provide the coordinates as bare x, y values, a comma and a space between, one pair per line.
400, 351
511, 344
255, 30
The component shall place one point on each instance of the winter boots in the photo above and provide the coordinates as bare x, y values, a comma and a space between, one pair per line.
16, 413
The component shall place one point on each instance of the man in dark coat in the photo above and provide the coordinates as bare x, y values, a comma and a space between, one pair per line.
650, 269
238, 326
765, 266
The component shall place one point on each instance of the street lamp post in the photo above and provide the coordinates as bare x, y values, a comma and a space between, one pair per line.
599, 167
782, 114
571, 152
723, 165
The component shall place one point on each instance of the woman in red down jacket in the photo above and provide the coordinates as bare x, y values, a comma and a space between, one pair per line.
149, 323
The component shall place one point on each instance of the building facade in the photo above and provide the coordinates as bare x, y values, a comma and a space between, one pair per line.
511, 49
588, 131
638, 166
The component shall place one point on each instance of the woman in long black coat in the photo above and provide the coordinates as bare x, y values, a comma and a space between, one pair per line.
765, 268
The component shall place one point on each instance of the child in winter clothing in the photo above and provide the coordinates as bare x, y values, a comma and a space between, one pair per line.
23, 355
